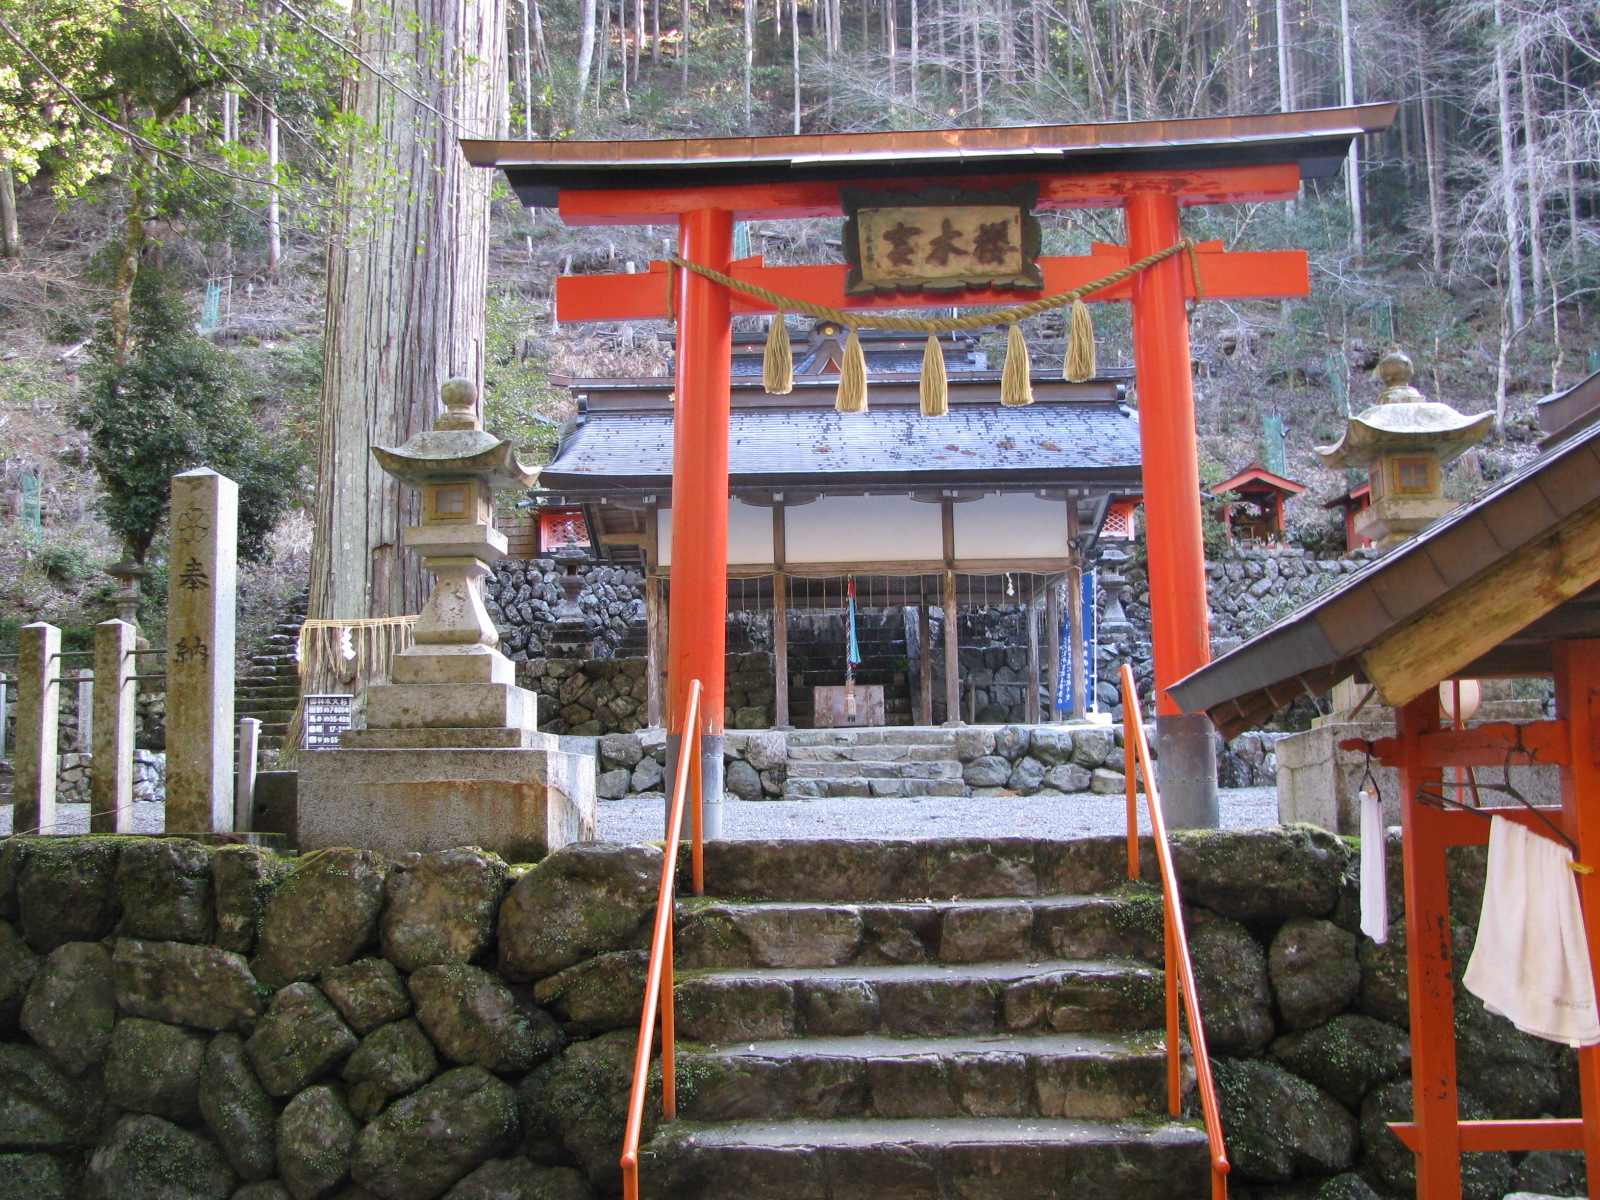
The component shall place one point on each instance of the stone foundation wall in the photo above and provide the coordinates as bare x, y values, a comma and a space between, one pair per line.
610, 695
1307, 1023
149, 777
521, 595
181, 1021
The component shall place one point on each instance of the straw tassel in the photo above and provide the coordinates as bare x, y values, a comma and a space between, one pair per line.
852, 377
777, 367
935, 383
1079, 362
1016, 383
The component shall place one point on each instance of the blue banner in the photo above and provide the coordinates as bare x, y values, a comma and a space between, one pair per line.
1090, 608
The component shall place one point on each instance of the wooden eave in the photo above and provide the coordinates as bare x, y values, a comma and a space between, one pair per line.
1485, 591
1316, 140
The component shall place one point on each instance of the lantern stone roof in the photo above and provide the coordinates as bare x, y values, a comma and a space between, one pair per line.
1482, 593
1078, 436
1404, 420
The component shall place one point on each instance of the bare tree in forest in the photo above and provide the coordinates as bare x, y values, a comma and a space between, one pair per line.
406, 281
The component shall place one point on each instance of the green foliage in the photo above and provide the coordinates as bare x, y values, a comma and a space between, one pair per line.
519, 401
176, 404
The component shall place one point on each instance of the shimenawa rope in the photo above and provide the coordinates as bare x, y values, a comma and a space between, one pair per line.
1016, 382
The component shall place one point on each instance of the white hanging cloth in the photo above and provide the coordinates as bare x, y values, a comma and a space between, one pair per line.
1374, 868
1531, 961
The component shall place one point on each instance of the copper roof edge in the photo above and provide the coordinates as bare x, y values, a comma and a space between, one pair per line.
936, 143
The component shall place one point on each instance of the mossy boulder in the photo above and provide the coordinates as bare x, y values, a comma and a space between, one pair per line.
582, 900
236, 1108
244, 879
164, 890
1231, 976
154, 1068
395, 1060
1279, 1126
368, 993
323, 915
606, 992
1312, 964
1347, 1057
316, 1138
18, 965
35, 1177
1485, 1175
574, 1107
66, 891
422, 1144
1515, 1075
71, 1006
1261, 876
298, 1041
476, 1020
501, 1178
184, 985
42, 1107
441, 908
146, 1158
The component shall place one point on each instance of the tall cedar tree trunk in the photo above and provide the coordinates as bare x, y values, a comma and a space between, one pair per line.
585, 54
1535, 193
406, 283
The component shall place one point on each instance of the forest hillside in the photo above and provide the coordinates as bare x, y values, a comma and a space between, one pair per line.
169, 184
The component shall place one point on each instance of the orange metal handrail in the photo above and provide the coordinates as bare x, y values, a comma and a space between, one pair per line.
1179, 966
658, 984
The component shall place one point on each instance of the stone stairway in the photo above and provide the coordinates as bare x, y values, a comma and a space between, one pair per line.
269, 687
924, 1020
896, 761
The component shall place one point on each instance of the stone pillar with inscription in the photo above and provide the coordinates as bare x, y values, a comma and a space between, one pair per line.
202, 581
451, 754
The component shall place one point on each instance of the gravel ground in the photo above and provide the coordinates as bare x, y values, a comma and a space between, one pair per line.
640, 819
1082, 815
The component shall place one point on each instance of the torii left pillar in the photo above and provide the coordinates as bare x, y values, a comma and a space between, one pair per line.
698, 616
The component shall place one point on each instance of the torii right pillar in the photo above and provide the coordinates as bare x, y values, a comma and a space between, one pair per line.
1180, 624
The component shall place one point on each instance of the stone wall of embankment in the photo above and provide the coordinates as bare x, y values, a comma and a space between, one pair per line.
203, 1023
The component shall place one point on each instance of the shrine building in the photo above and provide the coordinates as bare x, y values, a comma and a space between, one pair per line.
989, 507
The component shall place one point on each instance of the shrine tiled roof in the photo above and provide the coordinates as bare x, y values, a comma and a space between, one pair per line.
1068, 442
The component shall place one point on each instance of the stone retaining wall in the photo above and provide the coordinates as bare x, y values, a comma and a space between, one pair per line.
178, 1021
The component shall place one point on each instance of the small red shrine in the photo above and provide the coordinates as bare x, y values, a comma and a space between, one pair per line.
1151, 170
1261, 523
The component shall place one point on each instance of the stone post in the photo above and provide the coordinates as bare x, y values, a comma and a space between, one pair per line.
38, 721
83, 705
115, 700
244, 787
202, 578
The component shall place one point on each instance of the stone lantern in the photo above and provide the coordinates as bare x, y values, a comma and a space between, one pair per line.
1404, 442
451, 754
457, 467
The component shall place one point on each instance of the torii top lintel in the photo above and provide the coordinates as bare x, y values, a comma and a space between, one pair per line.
1210, 160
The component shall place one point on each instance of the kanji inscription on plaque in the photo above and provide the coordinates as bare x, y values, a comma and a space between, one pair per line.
941, 239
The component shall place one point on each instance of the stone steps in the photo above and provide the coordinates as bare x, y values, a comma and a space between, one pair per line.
844, 787
970, 1158
930, 1001
942, 1019
874, 769
1043, 1075
735, 934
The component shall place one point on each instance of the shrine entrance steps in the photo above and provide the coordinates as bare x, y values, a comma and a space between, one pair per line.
922, 1020
269, 688
892, 761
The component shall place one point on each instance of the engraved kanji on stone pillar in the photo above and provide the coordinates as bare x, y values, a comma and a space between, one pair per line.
202, 578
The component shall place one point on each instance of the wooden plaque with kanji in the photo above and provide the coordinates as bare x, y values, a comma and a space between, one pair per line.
941, 239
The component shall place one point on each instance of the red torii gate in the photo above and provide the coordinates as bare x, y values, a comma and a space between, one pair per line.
1151, 170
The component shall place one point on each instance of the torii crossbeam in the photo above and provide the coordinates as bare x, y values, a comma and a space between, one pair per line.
1151, 170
